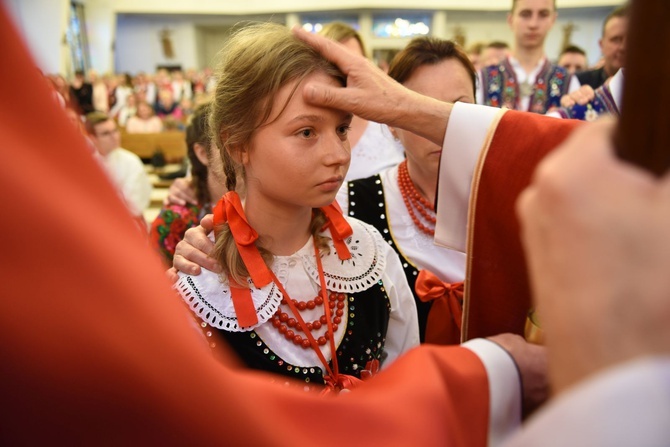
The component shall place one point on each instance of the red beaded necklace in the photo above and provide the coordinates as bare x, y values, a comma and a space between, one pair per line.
287, 325
229, 210
333, 377
414, 200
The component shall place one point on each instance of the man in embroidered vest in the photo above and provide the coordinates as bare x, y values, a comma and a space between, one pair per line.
613, 47
526, 80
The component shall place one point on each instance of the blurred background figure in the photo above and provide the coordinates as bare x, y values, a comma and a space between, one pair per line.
82, 93
494, 53
145, 121
145, 88
181, 87
124, 168
122, 91
100, 93
526, 80
373, 148
573, 59
475, 54
613, 47
207, 181
169, 110
127, 111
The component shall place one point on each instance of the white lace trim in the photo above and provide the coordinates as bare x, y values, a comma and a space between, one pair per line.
365, 267
209, 298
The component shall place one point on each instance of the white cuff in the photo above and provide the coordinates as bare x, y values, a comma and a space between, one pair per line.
504, 389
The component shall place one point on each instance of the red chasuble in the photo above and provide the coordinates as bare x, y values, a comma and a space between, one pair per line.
96, 348
497, 293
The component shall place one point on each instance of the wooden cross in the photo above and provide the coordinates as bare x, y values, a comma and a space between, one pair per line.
568, 29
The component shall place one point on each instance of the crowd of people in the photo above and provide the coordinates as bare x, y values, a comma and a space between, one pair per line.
142, 103
370, 243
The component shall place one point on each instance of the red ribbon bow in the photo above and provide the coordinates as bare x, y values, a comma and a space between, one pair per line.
339, 384
339, 229
444, 319
346, 382
229, 210
371, 369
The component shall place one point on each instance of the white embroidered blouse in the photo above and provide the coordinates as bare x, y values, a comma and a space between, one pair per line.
372, 261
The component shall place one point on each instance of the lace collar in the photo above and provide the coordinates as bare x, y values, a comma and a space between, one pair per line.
209, 297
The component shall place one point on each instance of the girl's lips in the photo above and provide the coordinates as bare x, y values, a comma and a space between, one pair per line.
331, 183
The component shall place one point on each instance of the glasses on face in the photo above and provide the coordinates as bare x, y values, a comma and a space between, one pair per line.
108, 133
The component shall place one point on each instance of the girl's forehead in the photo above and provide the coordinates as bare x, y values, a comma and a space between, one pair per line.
291, 96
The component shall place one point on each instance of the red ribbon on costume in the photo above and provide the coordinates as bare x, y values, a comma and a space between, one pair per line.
371, 369
339, 229
343, 382
444, 319
229, 210
347, 382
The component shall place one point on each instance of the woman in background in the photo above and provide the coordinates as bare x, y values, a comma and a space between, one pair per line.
207, 180
373, 148
399, 200
145, 121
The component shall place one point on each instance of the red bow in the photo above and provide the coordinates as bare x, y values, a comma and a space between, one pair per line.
371, 369
341, 383
229, 210
339, 229
444, 319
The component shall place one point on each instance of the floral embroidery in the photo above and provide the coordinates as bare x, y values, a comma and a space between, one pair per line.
503, 89
170, 225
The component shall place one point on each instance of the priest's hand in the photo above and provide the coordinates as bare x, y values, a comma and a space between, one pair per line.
531, 360
596, 234
193, 251
372, 94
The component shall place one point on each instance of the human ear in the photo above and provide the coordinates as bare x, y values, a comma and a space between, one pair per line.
201, 153
239, 154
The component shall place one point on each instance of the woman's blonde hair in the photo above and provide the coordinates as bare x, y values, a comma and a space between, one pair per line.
340, 31
256, 62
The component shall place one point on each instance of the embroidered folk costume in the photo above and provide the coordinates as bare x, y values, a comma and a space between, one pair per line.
390, 202
289, 319
501, 88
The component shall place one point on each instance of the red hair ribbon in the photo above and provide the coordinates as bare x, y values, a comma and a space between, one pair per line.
444, 319
229, 210
339, 229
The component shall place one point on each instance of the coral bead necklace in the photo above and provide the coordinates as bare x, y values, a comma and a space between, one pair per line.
288, 326
334, 380
414, 200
